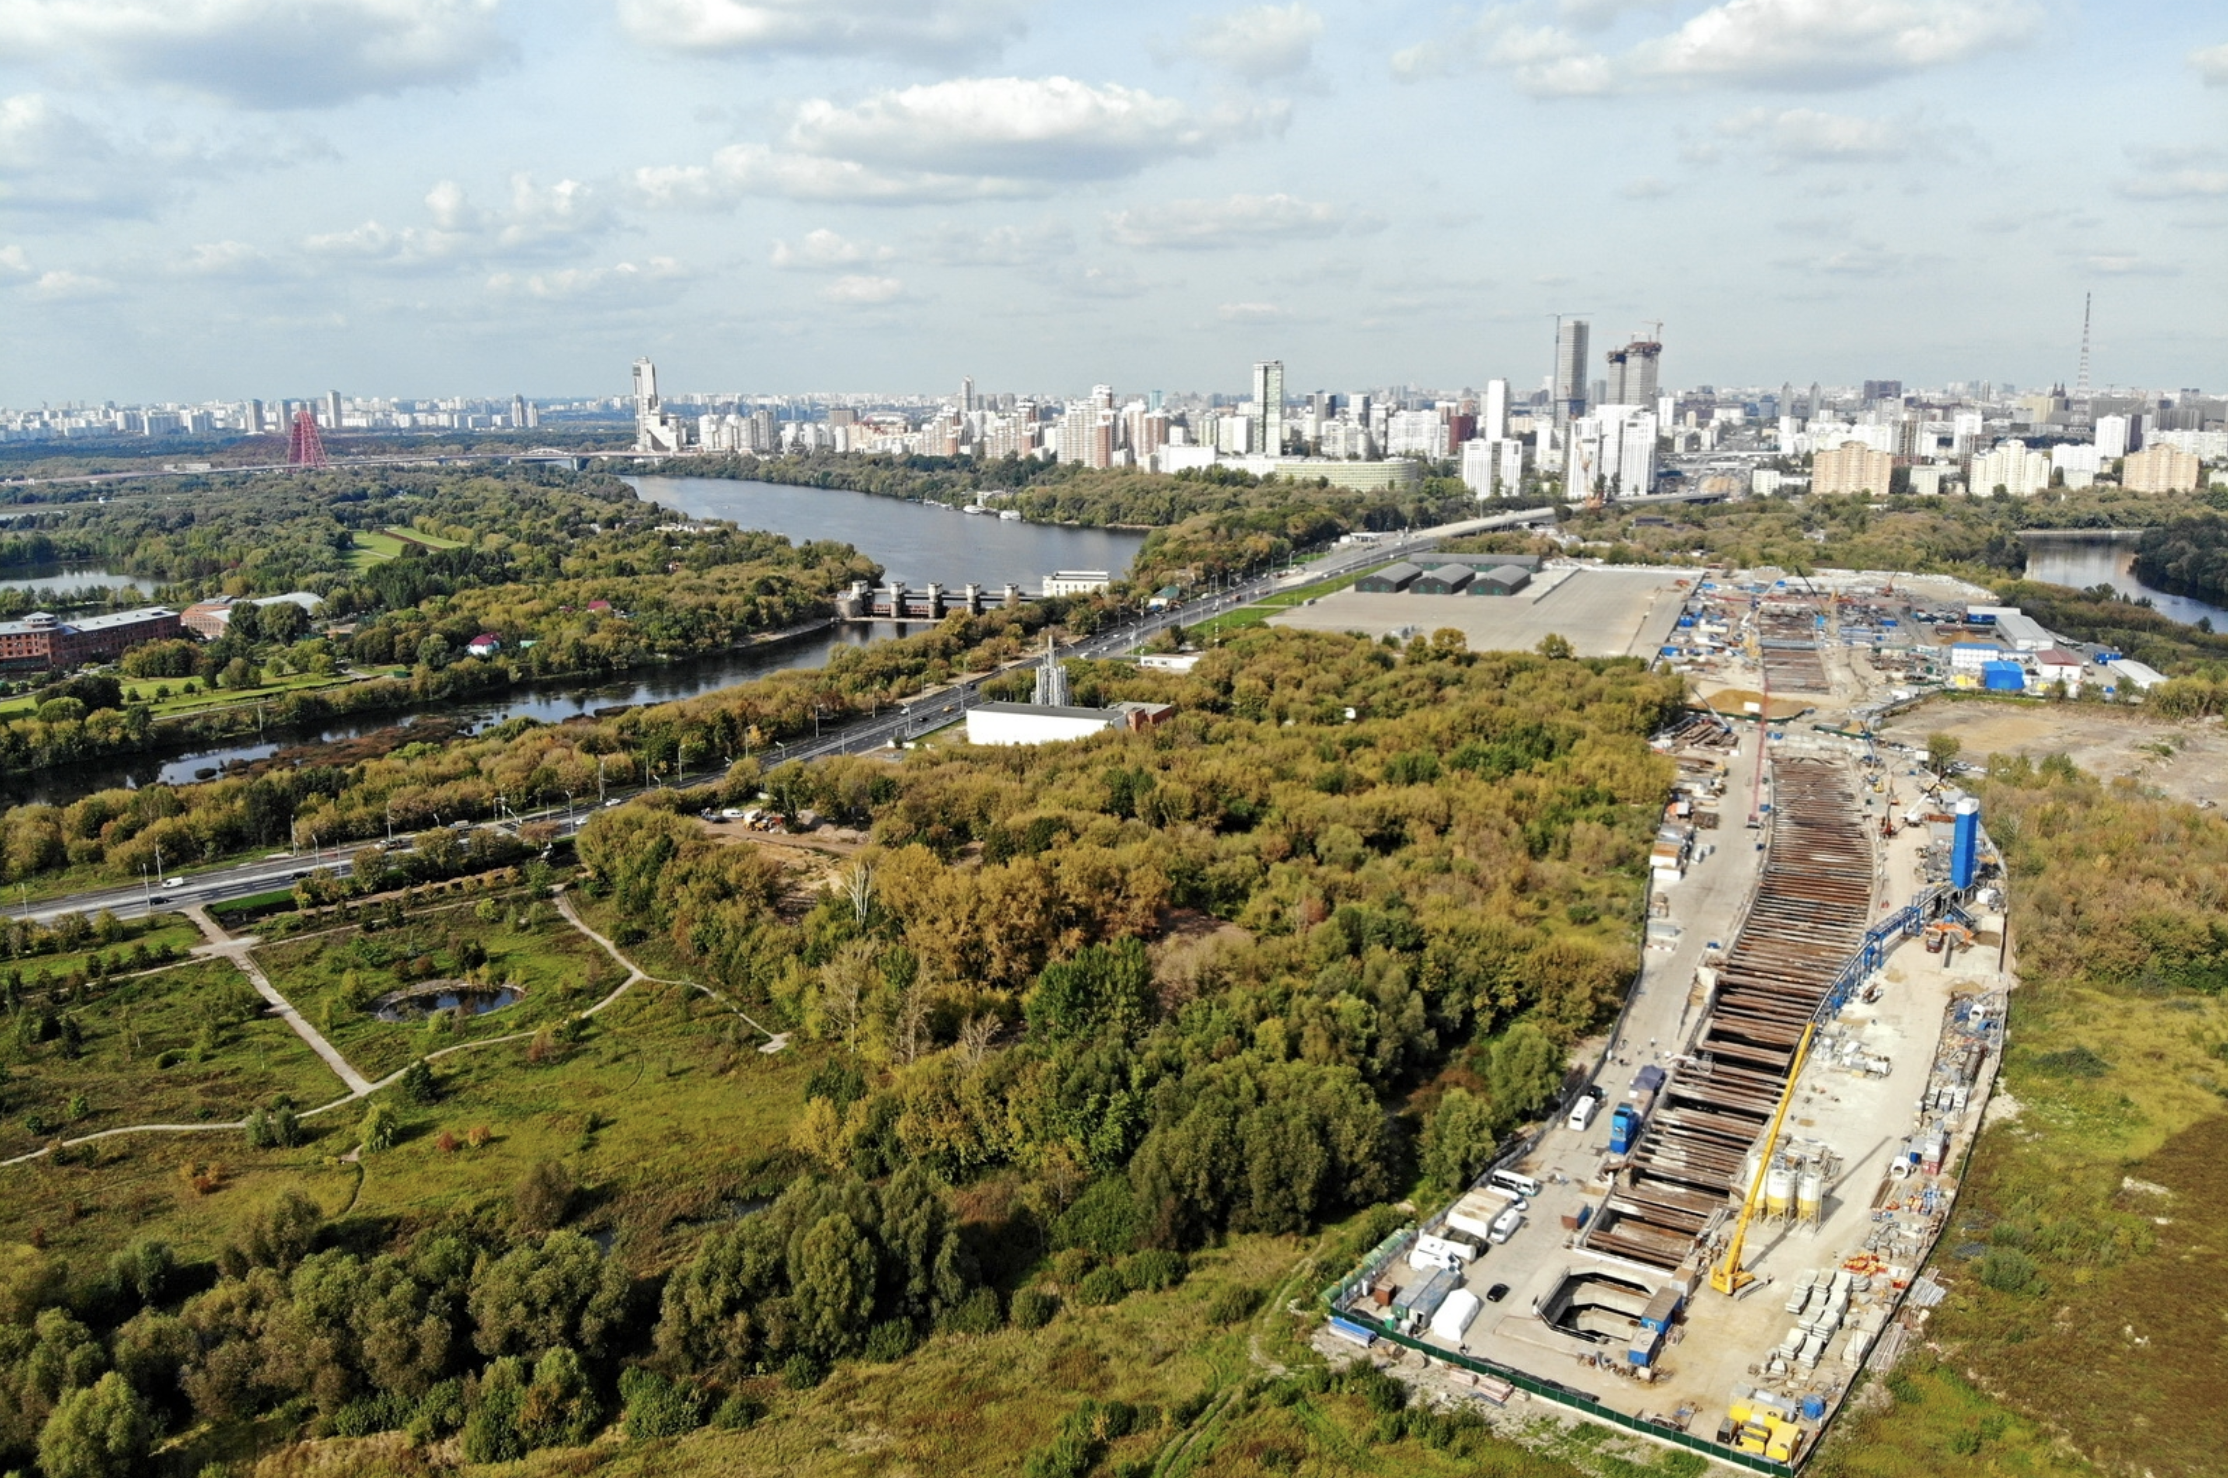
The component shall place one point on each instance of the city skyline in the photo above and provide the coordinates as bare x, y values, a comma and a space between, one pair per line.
199, 199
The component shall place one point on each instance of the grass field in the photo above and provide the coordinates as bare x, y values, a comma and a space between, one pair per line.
332, 977
1282, 600
373, 548
184, 1045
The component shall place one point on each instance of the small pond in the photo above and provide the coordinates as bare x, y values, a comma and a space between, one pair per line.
421, 1001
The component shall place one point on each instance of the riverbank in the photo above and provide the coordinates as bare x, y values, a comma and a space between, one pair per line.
2085, 559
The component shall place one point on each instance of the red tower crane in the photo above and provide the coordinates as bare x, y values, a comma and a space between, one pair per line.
304, 446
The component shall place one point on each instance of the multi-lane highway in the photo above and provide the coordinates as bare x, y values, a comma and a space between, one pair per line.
906, 721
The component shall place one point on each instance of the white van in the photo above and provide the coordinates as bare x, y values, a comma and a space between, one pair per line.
1582, 1112
1509, 1180
1505, 1226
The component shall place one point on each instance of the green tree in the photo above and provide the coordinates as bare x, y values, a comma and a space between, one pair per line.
417, 1084
103, 1431
1942, 751
560, 1291
1524, 1072
381, 1127
1459, 1141
831, 1273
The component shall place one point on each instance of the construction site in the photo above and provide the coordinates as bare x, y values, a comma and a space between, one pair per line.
1713, 1237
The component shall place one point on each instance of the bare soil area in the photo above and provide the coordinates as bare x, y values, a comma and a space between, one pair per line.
2186, 759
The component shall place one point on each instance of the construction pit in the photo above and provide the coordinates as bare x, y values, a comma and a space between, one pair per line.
1814, 943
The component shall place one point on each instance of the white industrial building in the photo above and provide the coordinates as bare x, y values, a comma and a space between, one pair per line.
1053, 723
1077, 582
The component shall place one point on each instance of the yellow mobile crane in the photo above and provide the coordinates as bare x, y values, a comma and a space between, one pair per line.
1729, 1277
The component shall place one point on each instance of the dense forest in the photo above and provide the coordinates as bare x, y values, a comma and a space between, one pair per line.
2188, 557
1974, 537
1074, 1014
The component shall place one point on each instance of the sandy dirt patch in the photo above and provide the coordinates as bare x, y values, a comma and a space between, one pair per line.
2186, 759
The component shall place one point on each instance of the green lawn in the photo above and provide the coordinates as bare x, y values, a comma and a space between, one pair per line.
406, 534
558, 969
193, 1043
373, 548
1282, 600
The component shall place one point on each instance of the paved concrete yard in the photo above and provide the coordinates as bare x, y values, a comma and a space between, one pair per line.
1865, 1121
1602, 612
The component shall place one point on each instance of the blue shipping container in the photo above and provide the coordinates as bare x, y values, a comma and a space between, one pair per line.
1624, 1128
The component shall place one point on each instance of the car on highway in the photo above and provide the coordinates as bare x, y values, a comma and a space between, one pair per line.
173, 882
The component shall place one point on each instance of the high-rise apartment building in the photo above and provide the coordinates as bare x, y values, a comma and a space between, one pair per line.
1268, 397
1572, 337
2012, 467
1633, 373
1493, 411
966, 395
332, 410
2160, 469
654, 429
2113, 440
1852, 467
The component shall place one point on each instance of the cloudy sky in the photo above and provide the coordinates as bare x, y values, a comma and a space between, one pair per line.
427, 197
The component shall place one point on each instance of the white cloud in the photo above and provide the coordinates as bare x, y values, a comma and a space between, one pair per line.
1796, 136
1023, 128
570, 284
1833, 43
57, 162
2127, 264
741, 170
1545, 60
1237, 220
62, 287
1103, 282
1738, 43
975, 138
822, 251
263, 53
15, 261
224, 259
2179, 184
1252, 313
1647, 187
906, 29
954, 245
859, 290
1857, 259
2176, 172
2212, 64
537, 221
1260, 42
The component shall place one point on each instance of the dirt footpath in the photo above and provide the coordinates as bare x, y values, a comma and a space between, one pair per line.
2185, 759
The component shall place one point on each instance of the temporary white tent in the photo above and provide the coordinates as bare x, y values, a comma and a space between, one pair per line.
1455, 1314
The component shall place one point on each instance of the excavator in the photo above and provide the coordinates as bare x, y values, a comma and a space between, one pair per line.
1729, 1277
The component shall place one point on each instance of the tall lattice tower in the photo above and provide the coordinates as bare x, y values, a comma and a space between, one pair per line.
2081, 381
305, 447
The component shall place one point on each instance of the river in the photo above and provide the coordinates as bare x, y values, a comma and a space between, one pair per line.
914, 542
2082, 559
